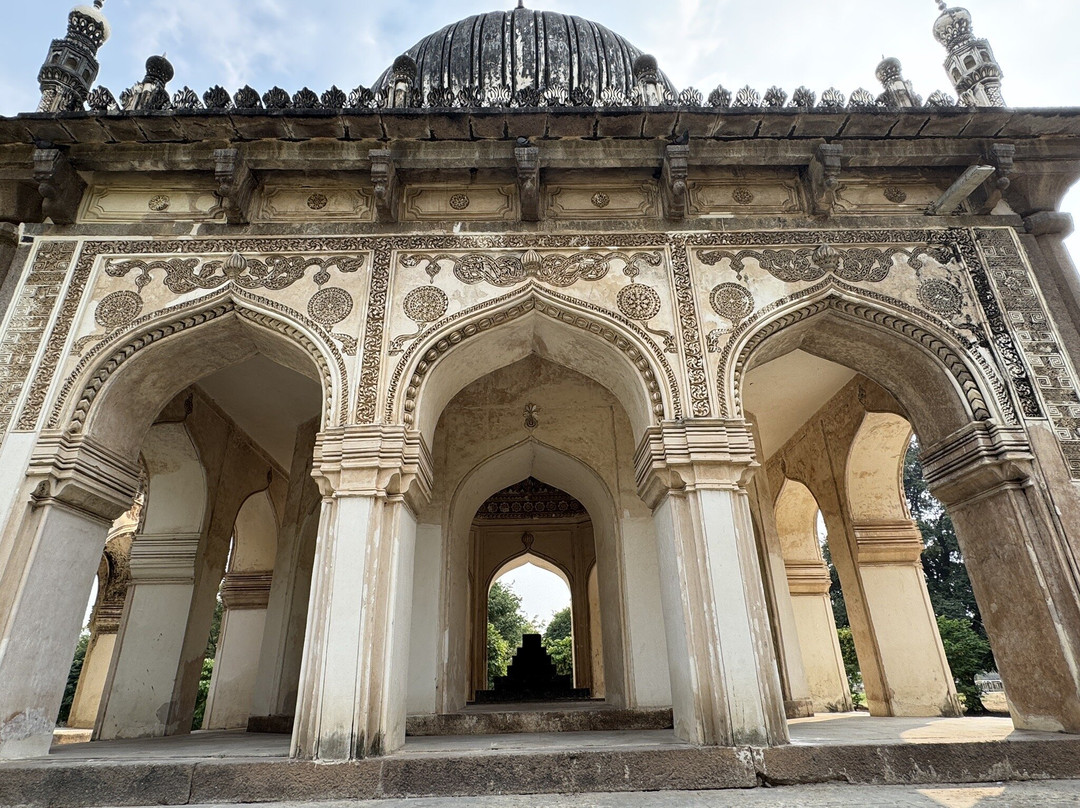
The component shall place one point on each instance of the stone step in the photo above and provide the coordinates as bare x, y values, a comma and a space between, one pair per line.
86, 783
503, 722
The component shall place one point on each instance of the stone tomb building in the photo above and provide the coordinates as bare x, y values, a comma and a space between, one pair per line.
355, 353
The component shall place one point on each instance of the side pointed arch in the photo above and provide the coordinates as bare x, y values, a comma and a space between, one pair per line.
181, 344
936, 378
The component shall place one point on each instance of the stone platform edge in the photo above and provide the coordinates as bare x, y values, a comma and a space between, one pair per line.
124, 783
543, 721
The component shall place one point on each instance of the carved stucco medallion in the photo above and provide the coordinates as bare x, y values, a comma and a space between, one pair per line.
459, 201
159, 203
742, 195
896, 194
639, 302
732, 302
118, 309
940, 297
425, 304
600, 200
317, 201
329, 306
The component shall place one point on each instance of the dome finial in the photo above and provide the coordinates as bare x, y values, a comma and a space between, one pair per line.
521, 3
941, 6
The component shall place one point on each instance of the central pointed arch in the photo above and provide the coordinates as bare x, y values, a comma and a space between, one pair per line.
533, 320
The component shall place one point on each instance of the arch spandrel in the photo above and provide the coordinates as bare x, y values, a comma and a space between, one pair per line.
533, 320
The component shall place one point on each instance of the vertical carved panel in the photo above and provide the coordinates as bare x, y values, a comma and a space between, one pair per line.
1027, 319
371, 366
693, 354
31, 314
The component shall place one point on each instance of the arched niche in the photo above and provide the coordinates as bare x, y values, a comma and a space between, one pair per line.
254, 535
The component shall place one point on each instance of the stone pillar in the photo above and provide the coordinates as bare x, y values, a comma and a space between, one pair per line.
798, 699
273, 705
1018, 561
244, 596
917, 676
150, 641
113, 580
724, 681
352, 684
75, 489
808, 582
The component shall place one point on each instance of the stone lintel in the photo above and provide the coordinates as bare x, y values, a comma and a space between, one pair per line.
979, 458
246, 590
888, 541
81, 473
374, 460
807, 577
694, 454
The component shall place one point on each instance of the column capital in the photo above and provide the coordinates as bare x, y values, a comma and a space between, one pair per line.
888, 541
807, 577
982, 457
164, 559
246, 590
75, 470
695, 454
373, 460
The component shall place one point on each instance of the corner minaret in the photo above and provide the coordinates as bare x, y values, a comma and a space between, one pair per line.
72, 66
971, 64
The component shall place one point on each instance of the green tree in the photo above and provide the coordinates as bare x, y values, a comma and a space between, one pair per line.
946, 577
559, 642
73, 678
968, 654
208, 666
560, 626
504, 613
498, 655
851, 665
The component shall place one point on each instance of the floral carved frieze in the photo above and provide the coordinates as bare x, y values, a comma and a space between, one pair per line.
182, 275
554, 269
637, 301
928, 270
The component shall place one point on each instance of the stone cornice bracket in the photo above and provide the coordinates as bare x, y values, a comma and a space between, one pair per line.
977, 460
987, 196
673, 180
59, 184
377, 460
78, 472
237, 185
824, 175
807, 577
527, 158
698, 454
1050, 223
387, 188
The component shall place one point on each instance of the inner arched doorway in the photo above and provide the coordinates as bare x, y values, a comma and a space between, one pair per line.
534, 523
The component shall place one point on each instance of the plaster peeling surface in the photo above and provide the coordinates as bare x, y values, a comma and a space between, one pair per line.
26, 725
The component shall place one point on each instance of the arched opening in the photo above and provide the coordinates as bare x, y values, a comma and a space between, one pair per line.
223, 470
503, 407
835, 389
534, 526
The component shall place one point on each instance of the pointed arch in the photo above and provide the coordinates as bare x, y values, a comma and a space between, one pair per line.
938, 381
612, 351
176, 347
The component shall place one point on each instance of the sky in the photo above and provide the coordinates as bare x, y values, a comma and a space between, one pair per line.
699, 43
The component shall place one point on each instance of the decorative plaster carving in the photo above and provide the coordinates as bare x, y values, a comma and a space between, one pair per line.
387, 189
530, 499
673, 180
824, 175
26, 329
508, 269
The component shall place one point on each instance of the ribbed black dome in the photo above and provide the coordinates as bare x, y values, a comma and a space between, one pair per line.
523, 50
